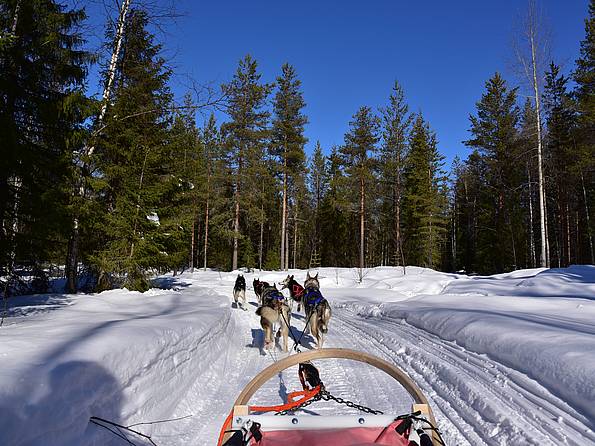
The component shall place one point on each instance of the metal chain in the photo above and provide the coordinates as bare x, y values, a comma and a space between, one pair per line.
317, 397
326, 396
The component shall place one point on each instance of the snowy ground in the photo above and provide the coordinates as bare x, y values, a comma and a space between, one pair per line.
505, 359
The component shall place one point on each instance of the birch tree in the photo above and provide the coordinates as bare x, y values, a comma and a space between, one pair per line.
531, 49
86, 154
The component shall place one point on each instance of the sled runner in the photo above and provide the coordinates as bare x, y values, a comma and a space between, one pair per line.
245, 426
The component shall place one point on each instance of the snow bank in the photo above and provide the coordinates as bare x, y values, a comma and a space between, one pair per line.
132, 357
540, 322
118, 355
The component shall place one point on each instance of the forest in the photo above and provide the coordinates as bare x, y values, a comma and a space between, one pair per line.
109, 190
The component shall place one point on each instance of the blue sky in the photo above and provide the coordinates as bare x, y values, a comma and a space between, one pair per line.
348, 53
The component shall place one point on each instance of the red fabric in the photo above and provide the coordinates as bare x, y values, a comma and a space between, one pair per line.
356, 436
298, 290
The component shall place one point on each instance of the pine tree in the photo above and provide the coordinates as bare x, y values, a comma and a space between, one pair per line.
529, 198
335, 231
182, 157
42, 111
135, 175
245, 137
210, 187
425, 198
288, 141
560, 122
318, 180
359, 164
494, 135
584, 76
396, 123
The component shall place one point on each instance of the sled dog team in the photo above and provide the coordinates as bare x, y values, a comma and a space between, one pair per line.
275, 309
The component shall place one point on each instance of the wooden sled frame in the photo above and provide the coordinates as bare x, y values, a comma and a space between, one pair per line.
420, 400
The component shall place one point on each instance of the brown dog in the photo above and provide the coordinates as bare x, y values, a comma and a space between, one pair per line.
273, 311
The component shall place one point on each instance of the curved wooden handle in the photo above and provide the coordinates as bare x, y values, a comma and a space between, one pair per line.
341, 353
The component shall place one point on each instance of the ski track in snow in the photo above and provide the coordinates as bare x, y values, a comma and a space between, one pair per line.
476, 400
192, 361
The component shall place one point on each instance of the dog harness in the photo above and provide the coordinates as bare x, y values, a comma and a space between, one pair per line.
313, 297
276, 295
297, 291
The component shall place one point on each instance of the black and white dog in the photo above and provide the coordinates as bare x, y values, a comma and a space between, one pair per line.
258, 288
296, 291
317, 308
239, 291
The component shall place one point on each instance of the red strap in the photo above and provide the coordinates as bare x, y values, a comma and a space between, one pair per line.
291, 401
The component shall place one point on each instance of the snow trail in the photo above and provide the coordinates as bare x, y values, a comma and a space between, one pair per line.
165, 354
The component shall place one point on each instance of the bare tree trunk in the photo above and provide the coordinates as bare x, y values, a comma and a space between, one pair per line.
260, 246
295, 238
544, 262
73, 244
236, 232
361, 223
15, 18
206, 243
531, 237
286, 254
567, 218
454, 233
588, 218
192, 245
16, 184
284, 213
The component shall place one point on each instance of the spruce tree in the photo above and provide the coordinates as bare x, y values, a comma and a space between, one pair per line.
425, 198
134, 175
42, 112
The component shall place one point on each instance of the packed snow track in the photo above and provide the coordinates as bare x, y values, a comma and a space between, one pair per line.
185, 353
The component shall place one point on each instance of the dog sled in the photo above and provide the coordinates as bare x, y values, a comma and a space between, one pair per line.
250, 425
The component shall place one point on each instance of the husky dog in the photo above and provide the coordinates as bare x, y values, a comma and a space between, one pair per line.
296, 291
273, 311
239, 291
317, 309
258, 288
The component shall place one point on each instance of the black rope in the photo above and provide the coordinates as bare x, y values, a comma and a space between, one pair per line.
299, 341
295, 342
102, 422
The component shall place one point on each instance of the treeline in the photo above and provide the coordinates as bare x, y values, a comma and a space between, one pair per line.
121, 187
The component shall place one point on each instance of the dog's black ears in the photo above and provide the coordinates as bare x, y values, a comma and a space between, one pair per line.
316, 276
307, 275
291, 277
